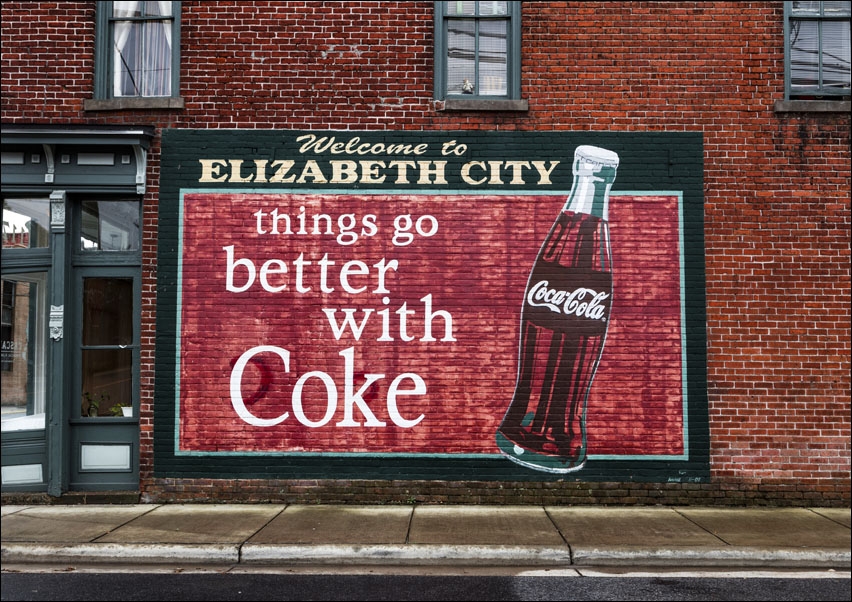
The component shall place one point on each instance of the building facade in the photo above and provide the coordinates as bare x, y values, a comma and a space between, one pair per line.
465, 252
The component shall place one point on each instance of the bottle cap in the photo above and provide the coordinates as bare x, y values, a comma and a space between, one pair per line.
594, 172
595, 154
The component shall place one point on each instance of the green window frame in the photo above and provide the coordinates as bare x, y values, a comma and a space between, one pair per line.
477, 50
816, 50
137, 50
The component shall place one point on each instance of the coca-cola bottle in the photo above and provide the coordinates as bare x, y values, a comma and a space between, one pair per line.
564, 319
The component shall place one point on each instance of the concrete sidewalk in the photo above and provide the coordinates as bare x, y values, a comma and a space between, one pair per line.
424, 535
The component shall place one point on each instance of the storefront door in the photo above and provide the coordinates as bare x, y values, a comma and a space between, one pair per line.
105, 336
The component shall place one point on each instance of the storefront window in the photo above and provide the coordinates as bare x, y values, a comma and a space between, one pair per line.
26, 223
22, 350
110, 226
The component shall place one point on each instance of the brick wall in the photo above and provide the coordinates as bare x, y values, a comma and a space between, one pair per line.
777, 185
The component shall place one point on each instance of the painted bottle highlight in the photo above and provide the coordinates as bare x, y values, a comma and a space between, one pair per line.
564, 321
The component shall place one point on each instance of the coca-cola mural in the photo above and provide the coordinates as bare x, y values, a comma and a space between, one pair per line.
431, 305
566, 311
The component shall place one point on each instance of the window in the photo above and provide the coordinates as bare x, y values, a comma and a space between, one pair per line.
109, 349
110, 226
23, 350
106, 257
7, 327
137, 50
477, 50
26, 223
817, 50
24, 321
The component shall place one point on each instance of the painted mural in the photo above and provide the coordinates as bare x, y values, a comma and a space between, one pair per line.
518, 317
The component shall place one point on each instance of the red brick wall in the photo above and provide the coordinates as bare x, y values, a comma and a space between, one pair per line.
777, 185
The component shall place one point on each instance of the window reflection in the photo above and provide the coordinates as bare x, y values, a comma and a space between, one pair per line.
461, 56
22, 350
470, 8
110, 226
819, 43
26, 223
820, 58
477, 48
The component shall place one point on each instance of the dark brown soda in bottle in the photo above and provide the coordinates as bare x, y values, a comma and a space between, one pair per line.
564, 320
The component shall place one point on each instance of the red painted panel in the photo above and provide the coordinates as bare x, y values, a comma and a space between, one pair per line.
467, 268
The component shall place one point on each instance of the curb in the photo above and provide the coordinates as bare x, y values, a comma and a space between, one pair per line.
425, 554
112, 552
408, 554
719, 557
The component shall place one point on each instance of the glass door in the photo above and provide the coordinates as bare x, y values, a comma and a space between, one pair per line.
105, 390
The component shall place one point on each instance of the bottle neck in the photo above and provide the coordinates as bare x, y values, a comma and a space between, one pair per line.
590, 191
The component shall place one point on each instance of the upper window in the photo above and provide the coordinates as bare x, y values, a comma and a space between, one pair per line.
26, 223
110, 226
817, 49
138, 49
477, 50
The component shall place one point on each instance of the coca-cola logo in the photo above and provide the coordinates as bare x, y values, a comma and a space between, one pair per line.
581, 302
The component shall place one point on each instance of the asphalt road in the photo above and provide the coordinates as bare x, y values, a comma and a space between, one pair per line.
73, 584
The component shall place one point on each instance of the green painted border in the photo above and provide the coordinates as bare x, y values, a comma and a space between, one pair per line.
650, 163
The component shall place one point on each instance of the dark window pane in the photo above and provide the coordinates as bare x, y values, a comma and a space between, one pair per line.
107, 311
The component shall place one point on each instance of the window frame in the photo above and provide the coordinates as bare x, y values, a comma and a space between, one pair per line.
818, 92
104, 30
513, 56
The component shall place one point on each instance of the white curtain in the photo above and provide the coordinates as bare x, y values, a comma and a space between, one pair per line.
142, 51
122, 63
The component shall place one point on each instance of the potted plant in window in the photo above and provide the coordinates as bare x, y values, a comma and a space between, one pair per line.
92, 404
121, 409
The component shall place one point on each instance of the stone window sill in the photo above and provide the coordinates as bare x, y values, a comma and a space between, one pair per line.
124, 104
482, 105
812, 106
